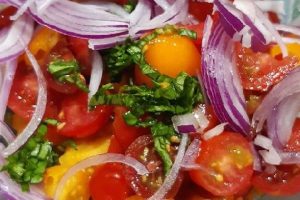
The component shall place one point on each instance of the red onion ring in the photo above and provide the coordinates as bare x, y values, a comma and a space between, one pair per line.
96, 74
98, 160
39, 110
9, 38
8, 73
222, 84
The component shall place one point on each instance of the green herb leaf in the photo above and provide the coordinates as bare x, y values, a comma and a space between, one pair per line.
130, 6
28, 164
67, 72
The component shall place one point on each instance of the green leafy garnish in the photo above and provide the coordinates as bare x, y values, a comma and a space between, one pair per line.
28, 164
169, 96
67, 72
130, 6
117, 59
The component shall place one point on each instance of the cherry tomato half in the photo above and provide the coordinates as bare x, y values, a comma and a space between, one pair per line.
77, 121
259, 71
108, 183
284, 181
228, 160
5, 15
143, 150
124, 133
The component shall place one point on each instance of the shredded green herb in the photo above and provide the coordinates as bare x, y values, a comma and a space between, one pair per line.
28, 164
130, 6
168, 97
67, 72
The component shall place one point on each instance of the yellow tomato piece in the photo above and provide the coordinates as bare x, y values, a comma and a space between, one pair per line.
172, 54
42, 43
293, 50
18, 123
77, 185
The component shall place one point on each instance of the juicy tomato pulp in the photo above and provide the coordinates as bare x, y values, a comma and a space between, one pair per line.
179, 54
5, 15
260, 71
227, 160
108, 183
283, 181
200, 10
294, 141
143, 150
124, 133
77, 121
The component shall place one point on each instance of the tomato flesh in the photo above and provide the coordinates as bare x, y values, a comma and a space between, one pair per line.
260, 71
228, 160
284, 181
77, 121
108, 183
124, 133
5, 15
143, 150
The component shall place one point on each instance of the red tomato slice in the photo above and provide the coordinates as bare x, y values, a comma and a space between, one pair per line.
228, 160
200, 9
124, 133
77, 120
108, 183
294, 141
23, 95
5, 16
115, 146
284, 181
143, 150
82, 53
260, 71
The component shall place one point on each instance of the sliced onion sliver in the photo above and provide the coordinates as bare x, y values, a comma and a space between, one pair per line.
217, 130
6, 132
10, 46
98, 160
39, 110
96, 74
220, 78
289, 86
256, 159
172, 176
7, 73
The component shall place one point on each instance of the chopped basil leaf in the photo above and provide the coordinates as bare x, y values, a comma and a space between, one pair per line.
67, 72
28, 164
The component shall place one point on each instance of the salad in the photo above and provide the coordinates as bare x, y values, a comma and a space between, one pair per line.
149, 99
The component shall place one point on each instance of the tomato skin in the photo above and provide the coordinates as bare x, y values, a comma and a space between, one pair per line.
115, 146
82, 53
294, 141
108, 183
285, 181
229, 157
5, 15
124, 133
77, 120
200, 10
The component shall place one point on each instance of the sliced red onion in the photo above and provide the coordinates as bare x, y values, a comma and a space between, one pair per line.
192, 152
22, 9
289, 86
217, 130
270, 155
39, 109
99, 160
288, 29
7, 72
220, 78
271, 6
256, 160
10, 46
244, 20
190, 122
172, 176
6, 132
96, 74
